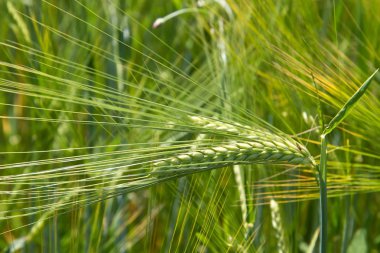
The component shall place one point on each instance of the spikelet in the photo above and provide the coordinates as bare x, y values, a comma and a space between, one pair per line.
262, 146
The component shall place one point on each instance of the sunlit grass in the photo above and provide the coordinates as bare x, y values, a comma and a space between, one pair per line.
91, 96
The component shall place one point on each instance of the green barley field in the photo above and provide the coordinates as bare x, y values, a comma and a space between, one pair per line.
190, 126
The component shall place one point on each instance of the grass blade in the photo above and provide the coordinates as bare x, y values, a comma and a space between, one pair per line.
348, 106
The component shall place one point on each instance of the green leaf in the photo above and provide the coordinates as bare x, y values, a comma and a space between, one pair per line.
339, 117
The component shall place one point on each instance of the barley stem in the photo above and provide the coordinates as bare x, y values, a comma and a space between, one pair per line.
339, 117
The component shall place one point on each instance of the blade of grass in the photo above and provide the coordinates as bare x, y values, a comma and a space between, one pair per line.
339, 117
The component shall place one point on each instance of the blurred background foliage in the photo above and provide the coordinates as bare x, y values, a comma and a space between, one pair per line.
85, 83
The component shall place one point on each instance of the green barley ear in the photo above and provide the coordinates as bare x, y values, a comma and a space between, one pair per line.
248, 146
278, 226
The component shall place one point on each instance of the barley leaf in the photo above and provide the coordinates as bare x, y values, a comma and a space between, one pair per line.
348, 106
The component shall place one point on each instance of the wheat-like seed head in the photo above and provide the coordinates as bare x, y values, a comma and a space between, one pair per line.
278, 226
246, 132
260, 146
